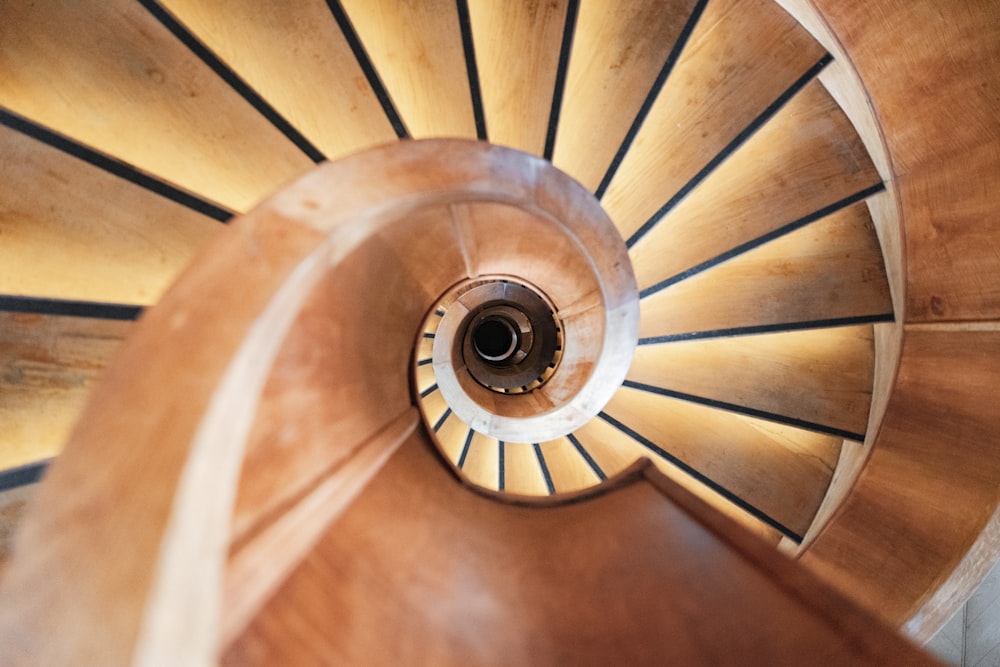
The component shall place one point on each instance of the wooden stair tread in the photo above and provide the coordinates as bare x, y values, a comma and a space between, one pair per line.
522, 472
618, 52
109, 75
482, 463
517, 53
417, 50
49, 364
806, 158
741, 58
781, 470
298, 60
823, 376
829, 269
614, 451
569, 470
73, 231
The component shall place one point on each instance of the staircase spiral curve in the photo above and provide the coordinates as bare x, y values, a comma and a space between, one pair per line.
716, 204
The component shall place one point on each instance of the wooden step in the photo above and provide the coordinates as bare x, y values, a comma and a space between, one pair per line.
73, 231
568, 468
482, 462
619, 52
829, 269
614, 451
819, 376
296, 57
743, 58
642, 574
110, 75
418, 51
807, 159
517, 54
49, 365
452, 436
780, 470
523, 473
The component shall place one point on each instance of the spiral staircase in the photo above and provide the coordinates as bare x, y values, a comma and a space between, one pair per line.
802, 206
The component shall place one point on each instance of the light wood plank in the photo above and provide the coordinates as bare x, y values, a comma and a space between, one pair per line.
806, 158
780, 470
451, 438
424, 377
433, 406
49, 366
742, 57
569, 470
73, 231
618, 51
416, 47
482, 463
522, 474
295, 56
517, 52
823, 376
108, 74
829, 269
610, 448
425, 348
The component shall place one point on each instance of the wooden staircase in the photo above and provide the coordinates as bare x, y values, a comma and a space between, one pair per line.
793, 326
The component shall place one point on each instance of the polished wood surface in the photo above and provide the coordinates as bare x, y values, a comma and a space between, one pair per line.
781, 470
482, 464
463, 579
522, 473
938, 155
237, 464
296, 58
726, 76
517, 53
569, 470
73, 231
416, 48
937, 432
619, 50
48, 367
823, 376
807, 158
829, 269
940, 151
613, 451
930, 484
111, 76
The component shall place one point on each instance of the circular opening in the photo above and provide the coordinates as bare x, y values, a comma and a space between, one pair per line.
494, 340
